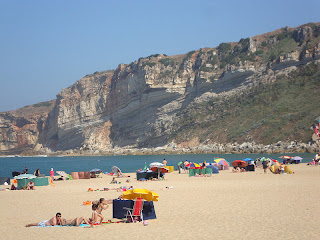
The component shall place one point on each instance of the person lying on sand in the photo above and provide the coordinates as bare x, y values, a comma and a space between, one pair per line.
75, 222
52, 222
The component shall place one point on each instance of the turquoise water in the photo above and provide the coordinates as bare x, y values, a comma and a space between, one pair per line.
125, 163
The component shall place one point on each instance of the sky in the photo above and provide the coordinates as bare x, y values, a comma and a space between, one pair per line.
46, 46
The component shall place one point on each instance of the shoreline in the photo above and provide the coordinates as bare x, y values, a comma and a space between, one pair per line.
172, 149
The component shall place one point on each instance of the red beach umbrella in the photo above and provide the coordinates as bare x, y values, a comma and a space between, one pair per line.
239, 163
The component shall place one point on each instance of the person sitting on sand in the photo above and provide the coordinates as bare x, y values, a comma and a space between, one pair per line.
242, 170
37, 172
30, 186
75, 222
52, 222
281, 168
113, 181
95, 215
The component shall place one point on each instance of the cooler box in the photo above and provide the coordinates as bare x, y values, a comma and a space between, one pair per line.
170, 168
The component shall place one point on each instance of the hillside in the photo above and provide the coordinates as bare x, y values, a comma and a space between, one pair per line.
262, 90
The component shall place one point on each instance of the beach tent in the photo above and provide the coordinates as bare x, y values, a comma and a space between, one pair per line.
215, 170
274, 168
4, 179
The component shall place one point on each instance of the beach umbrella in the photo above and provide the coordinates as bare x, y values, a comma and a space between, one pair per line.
160, 169
221, 161
297, 158
96, 170
239, 163
25, 176
63, 174
247, 159
115, 169
193, 165
285, 157
156, 164
274, 162
141, 193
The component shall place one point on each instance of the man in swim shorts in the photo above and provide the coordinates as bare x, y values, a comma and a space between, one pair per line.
52, 222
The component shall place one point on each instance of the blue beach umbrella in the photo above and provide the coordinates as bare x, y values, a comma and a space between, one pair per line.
247, 159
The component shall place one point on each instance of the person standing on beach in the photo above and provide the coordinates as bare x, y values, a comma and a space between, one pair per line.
25, 170
265, 166
52, 174
164, 162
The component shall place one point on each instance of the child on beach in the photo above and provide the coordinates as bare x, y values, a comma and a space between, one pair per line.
95, 215
97, 207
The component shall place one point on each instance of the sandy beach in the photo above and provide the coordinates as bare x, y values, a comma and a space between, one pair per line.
250, 205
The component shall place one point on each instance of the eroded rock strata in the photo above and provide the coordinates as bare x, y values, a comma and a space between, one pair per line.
139, 105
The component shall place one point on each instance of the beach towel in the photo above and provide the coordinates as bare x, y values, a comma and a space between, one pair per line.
81, 225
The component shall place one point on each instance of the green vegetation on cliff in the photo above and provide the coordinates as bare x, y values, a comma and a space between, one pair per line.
266, 113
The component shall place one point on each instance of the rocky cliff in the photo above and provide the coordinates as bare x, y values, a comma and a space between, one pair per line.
144, 104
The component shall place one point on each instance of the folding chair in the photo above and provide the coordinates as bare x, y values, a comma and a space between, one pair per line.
136, 211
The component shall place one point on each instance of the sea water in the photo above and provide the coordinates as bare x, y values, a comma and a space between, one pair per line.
128, 163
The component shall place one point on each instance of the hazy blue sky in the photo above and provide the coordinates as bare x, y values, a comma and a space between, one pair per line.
49, 45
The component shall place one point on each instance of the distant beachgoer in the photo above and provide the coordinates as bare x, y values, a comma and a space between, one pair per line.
281, 168
25, 170
37, 172
265, 166
164, 162
204, 164
52, 174
30, 185
185, 165
13, 187
113, 180
52, 222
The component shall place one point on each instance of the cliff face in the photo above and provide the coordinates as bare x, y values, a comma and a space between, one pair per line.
19, 130
139, 104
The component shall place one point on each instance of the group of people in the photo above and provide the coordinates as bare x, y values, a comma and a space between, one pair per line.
96, 217
58, 220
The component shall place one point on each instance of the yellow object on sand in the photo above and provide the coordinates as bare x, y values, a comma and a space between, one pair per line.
274, 168
170, 168
140, 192
287, 169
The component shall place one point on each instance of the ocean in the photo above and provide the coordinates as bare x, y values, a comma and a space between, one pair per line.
129, 163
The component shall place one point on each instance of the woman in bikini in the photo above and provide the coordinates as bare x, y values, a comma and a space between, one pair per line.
76, 221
